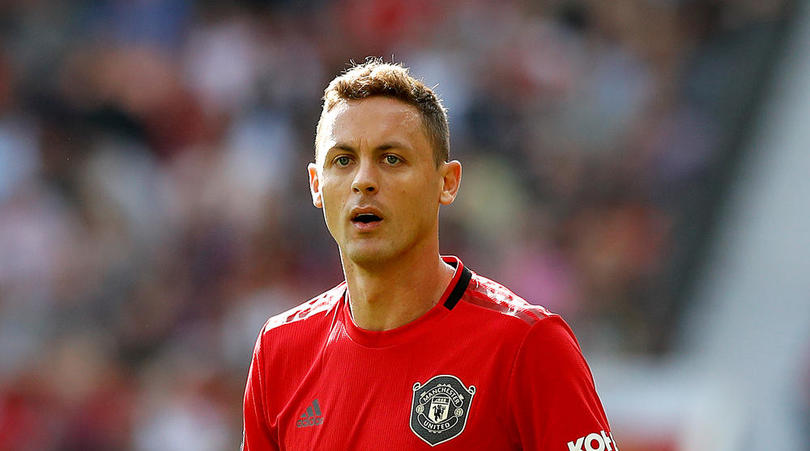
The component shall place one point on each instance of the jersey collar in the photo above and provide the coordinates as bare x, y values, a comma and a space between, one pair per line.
376, 339
457, 286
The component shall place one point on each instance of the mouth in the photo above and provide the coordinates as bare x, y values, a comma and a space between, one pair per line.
366, 219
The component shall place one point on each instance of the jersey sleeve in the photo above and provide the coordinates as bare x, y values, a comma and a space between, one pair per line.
552, 395
256, 434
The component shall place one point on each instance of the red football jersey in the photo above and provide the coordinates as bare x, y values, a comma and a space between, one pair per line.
483, 369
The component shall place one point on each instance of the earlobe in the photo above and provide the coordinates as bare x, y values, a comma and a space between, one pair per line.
315, 185
451, 181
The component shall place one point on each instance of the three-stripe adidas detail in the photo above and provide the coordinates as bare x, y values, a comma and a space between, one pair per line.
312, 416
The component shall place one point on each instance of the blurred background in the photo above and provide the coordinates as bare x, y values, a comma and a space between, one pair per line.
639, 166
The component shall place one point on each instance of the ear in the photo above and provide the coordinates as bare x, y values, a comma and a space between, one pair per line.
451, 180
315, 185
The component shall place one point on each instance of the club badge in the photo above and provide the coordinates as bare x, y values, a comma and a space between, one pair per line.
439, 409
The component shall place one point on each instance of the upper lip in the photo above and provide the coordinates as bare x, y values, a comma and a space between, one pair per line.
360, 210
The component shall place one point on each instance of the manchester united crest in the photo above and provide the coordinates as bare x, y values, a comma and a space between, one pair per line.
439, 408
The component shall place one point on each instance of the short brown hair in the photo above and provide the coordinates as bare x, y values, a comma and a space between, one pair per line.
377, 78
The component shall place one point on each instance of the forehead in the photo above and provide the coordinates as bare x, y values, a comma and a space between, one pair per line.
369, 121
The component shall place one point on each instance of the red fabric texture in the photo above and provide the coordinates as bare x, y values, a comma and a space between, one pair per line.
533, 388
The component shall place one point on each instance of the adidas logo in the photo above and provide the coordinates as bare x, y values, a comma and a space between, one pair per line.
312, 417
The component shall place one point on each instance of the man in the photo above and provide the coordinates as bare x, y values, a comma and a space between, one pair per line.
413, 350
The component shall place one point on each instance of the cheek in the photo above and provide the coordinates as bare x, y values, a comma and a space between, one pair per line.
330, 188
422, 200
331, 202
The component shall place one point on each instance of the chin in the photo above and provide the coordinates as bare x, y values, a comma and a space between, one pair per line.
366, 255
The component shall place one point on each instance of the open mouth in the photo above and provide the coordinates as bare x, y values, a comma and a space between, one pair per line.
366, 218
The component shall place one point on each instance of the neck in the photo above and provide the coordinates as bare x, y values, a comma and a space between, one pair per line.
393, 294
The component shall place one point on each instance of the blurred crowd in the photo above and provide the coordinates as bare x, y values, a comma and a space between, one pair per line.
154, 208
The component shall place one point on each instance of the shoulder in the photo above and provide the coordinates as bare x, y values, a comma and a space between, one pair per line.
539, 335
502, 303
306, 316
543, 338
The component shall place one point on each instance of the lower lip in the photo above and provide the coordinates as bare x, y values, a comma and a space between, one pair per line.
366, 226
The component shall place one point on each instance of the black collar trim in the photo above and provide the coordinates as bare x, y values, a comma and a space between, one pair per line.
459, 289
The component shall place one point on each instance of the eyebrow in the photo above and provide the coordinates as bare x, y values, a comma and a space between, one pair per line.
384, 146
339, 147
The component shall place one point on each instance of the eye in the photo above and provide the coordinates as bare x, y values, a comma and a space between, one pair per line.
342, 161
392, 159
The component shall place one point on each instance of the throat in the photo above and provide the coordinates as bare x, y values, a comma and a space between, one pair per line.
380, 304
386, 314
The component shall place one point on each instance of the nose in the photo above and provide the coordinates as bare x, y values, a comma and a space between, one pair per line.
365, 179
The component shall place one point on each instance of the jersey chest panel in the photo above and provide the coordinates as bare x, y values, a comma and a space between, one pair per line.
361, 398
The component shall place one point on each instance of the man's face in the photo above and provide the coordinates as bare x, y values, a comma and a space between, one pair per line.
377, 181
